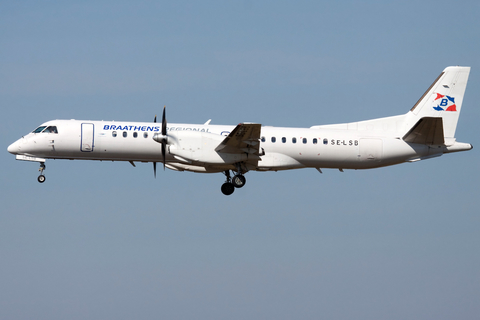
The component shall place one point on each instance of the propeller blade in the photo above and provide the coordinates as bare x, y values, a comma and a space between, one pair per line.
155, 170
164, 123
164, 144
164, 133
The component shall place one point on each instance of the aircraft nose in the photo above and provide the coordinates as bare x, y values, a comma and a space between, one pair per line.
13, 148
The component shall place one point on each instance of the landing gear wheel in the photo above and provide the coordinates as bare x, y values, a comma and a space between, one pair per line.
238, 181
41, 177
227, 188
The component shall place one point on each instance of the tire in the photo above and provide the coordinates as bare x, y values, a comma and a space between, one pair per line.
227, 188
238, 181
41, 178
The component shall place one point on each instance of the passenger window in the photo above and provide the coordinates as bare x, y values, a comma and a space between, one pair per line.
51, 129
284, 140
114, 134
325, 141
304, 140
145, 135
274, 139
263, 139
314, 140
39, 129
135, 134
124, 134
294, 140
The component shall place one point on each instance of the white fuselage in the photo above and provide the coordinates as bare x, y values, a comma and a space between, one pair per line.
282, 148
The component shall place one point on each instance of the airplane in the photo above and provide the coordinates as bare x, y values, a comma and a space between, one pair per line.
426, 131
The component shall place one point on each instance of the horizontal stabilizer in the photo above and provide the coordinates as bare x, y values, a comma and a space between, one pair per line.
428, 131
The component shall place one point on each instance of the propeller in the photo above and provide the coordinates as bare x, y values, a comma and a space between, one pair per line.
154, 163
164, 140
161, 138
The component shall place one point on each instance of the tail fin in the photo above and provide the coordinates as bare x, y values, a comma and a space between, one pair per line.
443, 100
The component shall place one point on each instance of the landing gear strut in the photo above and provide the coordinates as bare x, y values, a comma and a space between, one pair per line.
41, 178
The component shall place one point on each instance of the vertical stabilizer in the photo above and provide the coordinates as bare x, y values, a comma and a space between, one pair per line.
444, 99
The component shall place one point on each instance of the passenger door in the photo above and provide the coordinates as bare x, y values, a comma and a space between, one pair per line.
87, 137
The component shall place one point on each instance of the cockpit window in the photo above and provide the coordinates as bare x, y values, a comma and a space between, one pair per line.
39, 129
51, 129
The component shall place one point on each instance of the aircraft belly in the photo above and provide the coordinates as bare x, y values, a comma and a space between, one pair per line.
278, 161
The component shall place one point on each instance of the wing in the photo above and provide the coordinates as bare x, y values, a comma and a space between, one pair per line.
245, 138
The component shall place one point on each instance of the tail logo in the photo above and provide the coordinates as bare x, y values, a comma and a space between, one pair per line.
444, 103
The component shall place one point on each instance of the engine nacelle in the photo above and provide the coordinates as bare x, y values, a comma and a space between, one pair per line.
199, 148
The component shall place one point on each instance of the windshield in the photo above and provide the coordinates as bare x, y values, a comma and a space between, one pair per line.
39, 129
50, 129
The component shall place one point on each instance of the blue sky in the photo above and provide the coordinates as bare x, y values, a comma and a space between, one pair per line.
106, 240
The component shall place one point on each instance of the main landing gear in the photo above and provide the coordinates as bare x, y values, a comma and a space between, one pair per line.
41, 178
230, 184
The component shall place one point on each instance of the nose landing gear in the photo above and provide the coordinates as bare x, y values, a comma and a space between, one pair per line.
41, 178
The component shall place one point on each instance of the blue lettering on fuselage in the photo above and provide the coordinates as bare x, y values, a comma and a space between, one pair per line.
149, 128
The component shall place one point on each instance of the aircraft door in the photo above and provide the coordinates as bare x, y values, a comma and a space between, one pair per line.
87, 138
